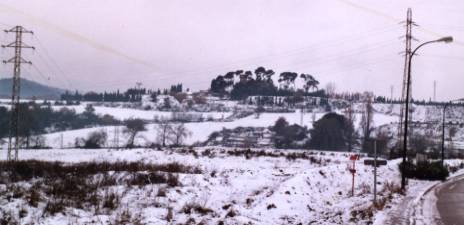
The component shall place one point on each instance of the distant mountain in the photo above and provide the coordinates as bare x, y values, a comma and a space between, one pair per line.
30, 89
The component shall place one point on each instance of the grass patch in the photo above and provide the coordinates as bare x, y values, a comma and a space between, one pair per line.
85, 185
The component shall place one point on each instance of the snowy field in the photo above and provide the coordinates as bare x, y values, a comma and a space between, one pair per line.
199, 130
272, 187
385, 114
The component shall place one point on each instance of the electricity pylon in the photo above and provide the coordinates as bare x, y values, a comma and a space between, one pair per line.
407, 54
17, 60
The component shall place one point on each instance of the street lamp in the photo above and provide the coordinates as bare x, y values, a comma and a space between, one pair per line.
443, 131
405, 137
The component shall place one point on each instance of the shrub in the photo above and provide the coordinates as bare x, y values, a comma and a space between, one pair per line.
195, 207
7, 219
33, 197
123, 218
331, 132
142, 179
161, 192
271, 206
53, 207
96, 139
169, 215
231, 213
111, 200
424, 170
173, 180
77, 185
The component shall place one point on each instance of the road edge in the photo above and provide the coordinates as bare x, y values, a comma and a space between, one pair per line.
429, 198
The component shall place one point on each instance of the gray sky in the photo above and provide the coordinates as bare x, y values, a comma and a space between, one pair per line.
110, 44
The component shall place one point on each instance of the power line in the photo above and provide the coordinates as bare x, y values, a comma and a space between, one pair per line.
318, 61
53, 62
394, 19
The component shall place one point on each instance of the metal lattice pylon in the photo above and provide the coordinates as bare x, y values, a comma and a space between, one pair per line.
17, 60
407, 56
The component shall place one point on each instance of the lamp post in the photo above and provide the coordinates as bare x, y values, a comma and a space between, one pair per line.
405, 137
443, 131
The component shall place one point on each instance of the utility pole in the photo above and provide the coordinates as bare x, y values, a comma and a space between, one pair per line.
138, 90
375, 172
116, 137
405, 97
407, 53
302, 115
391, 92
447, 39
18, 45
435, 91
61, 140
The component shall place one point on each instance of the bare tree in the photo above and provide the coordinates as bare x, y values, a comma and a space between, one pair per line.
351, 136
133, 127
178, 133
330, 89
164, 129
451, 134
367, 116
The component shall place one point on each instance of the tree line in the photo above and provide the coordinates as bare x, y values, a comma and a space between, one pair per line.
130, 95
39, 119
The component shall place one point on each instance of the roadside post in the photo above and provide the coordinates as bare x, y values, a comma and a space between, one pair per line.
352, 170
375, 163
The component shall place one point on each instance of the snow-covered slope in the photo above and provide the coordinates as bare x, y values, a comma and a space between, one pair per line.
238, 189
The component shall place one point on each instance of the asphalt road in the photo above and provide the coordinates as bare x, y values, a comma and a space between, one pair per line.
450, 203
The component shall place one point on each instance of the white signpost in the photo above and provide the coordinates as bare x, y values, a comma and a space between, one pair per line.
375, 163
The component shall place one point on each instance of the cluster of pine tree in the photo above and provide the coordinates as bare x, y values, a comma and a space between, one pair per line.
240, 84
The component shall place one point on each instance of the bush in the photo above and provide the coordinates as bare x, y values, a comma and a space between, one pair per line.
78, 185
33, 197
192, 207
286, 135
331, 132
96, 139
111, 200
7, 218
424, 170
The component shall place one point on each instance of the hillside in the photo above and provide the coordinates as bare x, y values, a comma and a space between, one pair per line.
30, 89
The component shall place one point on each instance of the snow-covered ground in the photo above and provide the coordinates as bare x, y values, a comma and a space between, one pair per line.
235, 187
260, 190
126, 113
312, 189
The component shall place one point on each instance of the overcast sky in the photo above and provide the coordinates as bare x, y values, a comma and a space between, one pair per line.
110, 44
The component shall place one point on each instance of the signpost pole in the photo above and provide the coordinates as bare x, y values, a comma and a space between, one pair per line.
375, 172
352, 170
352, 182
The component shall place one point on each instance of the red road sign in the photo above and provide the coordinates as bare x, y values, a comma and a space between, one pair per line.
354, 157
